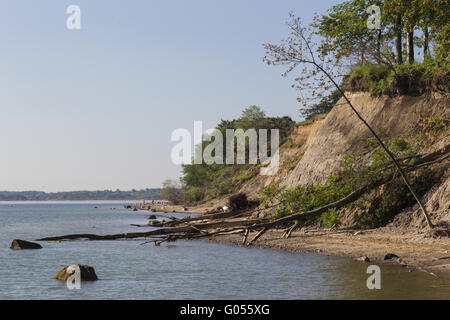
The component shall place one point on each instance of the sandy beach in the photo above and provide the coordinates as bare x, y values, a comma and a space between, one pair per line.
415, 248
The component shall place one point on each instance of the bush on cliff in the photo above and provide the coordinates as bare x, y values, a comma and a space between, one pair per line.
203, 181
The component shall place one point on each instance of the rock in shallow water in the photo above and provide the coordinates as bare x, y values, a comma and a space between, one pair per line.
18, 244
87, 273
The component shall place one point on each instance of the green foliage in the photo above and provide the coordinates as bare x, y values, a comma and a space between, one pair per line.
301, 199
171, 191
394, 198
425, 70
323, 107
431, 130
269, 195
216, 180
373, 71
253, 113
405, 78
433, 14
432, 126
194, 194
382, 208
376, 75
345, 28
399, 147
304, 123
330, 219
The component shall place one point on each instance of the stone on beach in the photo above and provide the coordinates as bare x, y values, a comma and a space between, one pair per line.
390, 256
364, 259
238, 201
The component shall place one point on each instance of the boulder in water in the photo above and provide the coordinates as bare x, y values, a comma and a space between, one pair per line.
87, 273
151, 217
18, 244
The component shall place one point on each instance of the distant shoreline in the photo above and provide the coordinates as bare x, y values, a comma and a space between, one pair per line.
77, 200
83, 195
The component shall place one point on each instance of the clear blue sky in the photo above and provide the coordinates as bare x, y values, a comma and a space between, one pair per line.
94, 108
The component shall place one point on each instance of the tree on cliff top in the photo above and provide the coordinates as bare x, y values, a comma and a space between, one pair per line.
345, 27
253, 113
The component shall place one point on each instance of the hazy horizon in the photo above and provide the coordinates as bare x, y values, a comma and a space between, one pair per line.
80, 190
93, 109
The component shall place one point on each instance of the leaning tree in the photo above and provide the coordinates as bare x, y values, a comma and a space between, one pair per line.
319, 72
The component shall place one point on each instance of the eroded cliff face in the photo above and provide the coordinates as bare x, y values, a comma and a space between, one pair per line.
343, 133
315, 151
290, 154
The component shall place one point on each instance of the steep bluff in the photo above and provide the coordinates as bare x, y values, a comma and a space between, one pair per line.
315, 151
342, 133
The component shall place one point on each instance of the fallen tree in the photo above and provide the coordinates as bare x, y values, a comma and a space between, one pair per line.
215, 216
190, 229
195, 231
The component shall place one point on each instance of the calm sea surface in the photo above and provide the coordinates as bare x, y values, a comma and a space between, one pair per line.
181, 270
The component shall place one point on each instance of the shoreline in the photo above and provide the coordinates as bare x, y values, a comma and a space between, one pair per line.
414, 251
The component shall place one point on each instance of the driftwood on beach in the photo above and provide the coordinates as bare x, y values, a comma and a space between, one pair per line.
240, 221
190, 229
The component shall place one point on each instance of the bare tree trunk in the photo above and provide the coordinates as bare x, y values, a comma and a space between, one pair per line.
398, 39
410, 46
379, 44
426, 37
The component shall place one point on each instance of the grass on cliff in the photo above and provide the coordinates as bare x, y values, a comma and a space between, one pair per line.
418, 78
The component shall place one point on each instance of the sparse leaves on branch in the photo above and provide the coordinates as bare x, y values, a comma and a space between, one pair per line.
298, 50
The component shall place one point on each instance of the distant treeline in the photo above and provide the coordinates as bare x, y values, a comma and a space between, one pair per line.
144, 194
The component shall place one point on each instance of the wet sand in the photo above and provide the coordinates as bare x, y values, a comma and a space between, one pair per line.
414, 249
